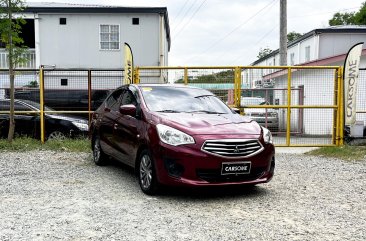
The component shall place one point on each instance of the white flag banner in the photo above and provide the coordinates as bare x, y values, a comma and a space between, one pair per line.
351, 71
128, 73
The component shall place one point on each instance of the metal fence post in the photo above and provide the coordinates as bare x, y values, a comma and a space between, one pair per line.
185, 77
288, 128
136, 79
89, 95
237, 86
41, 101
341, 106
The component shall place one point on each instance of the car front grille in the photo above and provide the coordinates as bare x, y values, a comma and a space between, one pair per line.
214, 175
233, 147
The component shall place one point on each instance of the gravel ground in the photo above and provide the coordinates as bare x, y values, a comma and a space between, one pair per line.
58, 195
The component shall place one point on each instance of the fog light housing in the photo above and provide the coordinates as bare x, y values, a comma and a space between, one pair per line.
174, 169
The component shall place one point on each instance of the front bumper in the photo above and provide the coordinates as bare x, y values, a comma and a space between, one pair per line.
187, 165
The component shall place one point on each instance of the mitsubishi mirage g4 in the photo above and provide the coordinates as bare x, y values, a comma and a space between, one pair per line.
180, 136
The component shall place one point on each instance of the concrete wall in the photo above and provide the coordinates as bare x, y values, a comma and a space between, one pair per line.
76, 44
332, 44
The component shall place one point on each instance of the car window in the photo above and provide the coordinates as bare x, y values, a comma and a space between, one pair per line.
4, 106
182, 99
128, 98
112, 101
21, 107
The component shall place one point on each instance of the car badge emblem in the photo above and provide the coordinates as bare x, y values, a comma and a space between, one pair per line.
236, 150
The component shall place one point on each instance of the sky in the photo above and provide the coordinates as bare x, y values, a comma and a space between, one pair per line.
231, 32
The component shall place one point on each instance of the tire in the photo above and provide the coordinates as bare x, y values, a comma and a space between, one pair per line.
99, 157
146, 174
56, 135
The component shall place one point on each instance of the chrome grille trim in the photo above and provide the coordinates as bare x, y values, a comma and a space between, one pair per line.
232, 148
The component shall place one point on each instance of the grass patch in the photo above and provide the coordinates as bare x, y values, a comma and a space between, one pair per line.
29, 144
345, 152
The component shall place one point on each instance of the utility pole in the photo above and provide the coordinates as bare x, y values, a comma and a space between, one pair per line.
283, 32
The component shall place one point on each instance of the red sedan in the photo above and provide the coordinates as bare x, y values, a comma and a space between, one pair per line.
180, 136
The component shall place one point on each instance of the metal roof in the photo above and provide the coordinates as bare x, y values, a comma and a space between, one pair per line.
318, 31
51, 7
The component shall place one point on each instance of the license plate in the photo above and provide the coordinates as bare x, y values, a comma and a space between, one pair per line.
229, 168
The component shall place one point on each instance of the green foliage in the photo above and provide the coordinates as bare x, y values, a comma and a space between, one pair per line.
291, 36
342, 19
345, 152
29, 144
264, 52
10, 29
220, 77
33, 83
360, 16
356, 18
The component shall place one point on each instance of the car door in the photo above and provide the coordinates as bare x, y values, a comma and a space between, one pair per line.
4, 118
126, 132
25, 123
107, 121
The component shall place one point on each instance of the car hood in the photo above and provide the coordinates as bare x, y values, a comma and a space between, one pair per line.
209, 124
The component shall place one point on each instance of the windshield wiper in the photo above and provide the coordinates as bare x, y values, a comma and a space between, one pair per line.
206, 111
168, 111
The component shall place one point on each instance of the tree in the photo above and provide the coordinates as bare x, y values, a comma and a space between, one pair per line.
356, 18
264, 52
360, 16
342, 19
291, 36
10, 28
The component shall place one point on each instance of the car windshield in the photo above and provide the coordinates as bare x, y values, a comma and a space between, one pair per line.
253, 101
37, 105
174, 99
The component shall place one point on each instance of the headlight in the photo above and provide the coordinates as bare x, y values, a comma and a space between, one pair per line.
173, 136
81, 126
267, 136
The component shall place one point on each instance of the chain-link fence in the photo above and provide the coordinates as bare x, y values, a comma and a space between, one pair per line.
300, 105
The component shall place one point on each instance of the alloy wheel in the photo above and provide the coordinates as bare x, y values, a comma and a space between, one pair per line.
146, 172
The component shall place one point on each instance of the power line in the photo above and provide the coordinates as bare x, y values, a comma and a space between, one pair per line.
192, 16
234, 29
322, 13
181, 9
257, 43
185, 14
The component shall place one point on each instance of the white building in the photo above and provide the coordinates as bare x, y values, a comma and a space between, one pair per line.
92, 36
319, 47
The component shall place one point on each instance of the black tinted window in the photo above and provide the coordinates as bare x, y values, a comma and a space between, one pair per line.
4, 106
128, 98
21, 107
112, 101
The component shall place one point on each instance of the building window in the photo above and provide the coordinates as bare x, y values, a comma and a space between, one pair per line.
292, 59
109, 37
307, 53
62, 21
63, 82
135, 21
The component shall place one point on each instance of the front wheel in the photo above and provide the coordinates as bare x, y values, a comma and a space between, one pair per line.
99, 157
147, 175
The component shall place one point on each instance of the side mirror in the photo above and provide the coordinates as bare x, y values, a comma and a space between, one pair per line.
128, 110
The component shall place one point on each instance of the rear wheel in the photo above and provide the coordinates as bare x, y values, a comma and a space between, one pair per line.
146, 174
56, 135
99, 157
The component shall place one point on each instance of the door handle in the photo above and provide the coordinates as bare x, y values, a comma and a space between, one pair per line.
115, 126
